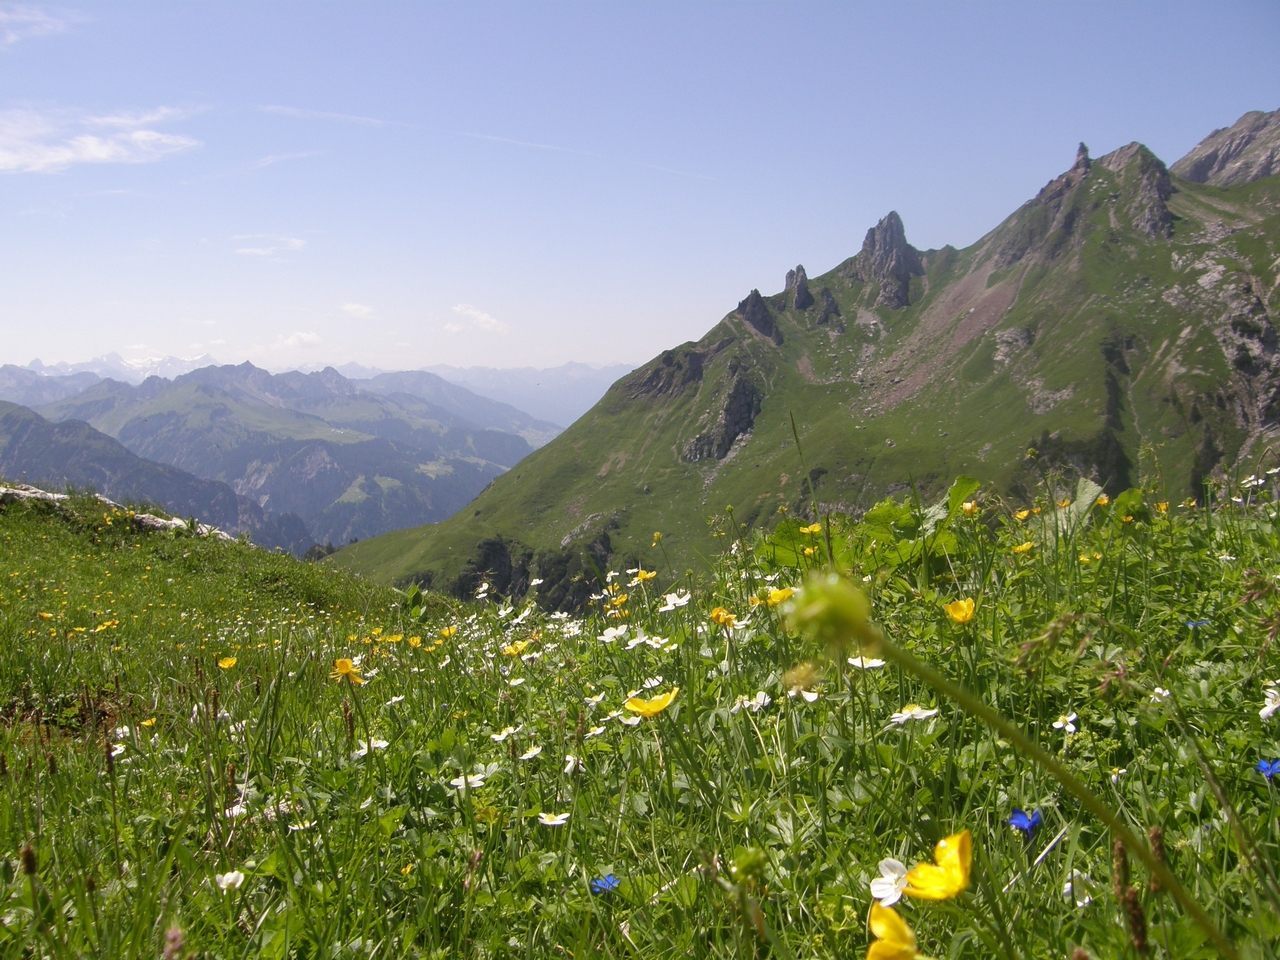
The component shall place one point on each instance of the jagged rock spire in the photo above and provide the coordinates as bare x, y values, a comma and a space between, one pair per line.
888, 259
756, 313
798, 285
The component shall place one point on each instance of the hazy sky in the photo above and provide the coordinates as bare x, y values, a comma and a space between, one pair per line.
516, 183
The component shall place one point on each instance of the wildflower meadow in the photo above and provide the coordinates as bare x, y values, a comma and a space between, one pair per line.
972, 728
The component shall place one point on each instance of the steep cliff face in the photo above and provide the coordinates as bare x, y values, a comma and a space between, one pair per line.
1246, 151
1119, 310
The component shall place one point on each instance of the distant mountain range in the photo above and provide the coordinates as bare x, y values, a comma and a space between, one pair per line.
1126, 311
560, 394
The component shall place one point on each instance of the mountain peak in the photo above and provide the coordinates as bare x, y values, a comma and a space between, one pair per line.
886, 258
1246, 151
755, 312
1148, 208
798, 286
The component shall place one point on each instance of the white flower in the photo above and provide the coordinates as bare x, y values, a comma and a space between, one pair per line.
593, 702
613, 633
531, 753
593, 732
1066, 722
572, 764
1077, 888
119, 748
470, 781
515, 681
504, 611
865, 663
553, 819
1117, 773
294, 827
1226, 557
1272, 703
629, 721
122, 733
809, 696
482, 590
754, 704
611, 575
652, 682
364, 748
1159, 694
229, 881
445, 662
504, 733
535, 581
637, 641
394, 700
674, 600
524, 614
888, 887
912, 711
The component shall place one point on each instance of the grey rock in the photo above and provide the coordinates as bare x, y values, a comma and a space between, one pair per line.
741, 407
756, 313
1149, 209
798, 287
887, 259
1246, 151
829, 306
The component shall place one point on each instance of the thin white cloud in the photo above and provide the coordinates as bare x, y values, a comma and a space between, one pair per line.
276, 244
300, 339
323, 115
19, 21
478, 318
453, 328
281, 157
358, 310
32, 141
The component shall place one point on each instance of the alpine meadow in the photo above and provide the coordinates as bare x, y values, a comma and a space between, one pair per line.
928, 608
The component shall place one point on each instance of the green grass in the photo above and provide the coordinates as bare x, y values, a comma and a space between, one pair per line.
711, 816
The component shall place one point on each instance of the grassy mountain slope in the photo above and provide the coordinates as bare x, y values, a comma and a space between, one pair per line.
351, 463
72, 453
1118, 308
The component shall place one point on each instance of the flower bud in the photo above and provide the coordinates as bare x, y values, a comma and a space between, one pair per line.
833, 611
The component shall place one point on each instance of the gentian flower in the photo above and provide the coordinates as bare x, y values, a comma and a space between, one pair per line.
1027, 824
948, 875
894, 939
1269, 768
605, 885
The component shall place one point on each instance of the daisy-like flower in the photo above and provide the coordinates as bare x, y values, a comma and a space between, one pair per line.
613, 633
755, 704
1159, 694
1270, 704
651, 707
1066, 723
364, 747
865, 663
553, 819
593, 702
948, 875
802, 681
118, 749
469, 781
651, 683
895, 940
912, 711
630, 721
674, 600
346, 668
1117, 773
531, 753
515, 681
394, 700
887, 888
505, 732
231, 880
593, 732
1077, 888
572, 764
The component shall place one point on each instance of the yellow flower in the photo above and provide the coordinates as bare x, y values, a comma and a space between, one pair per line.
961, 611
1103, 501
969, 508
810, 551
652, 707
517, 648
894, 939
1022, 514
948, 875
1126, 519
1163, 507
723, 617
812, 528
1035, 510
657, 538
619, 600
148, 723
344, 667
407, 869
1064, 503
448, 632
1023, 547
415, 642
226, 663
642, 574
779, 596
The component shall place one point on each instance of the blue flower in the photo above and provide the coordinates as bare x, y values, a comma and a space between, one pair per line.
1197, 623
1269, 768
606, 884
1027, 824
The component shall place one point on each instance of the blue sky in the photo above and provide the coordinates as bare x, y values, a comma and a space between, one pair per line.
511, 184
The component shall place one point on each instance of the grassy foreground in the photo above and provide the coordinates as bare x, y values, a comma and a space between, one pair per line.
192, 767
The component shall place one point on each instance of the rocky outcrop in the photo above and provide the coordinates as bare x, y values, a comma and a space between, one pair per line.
1051, 216
1242, 153
887, 259
1148, 208
829, 307
755, 312
798, 287
668, 375
741, 407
